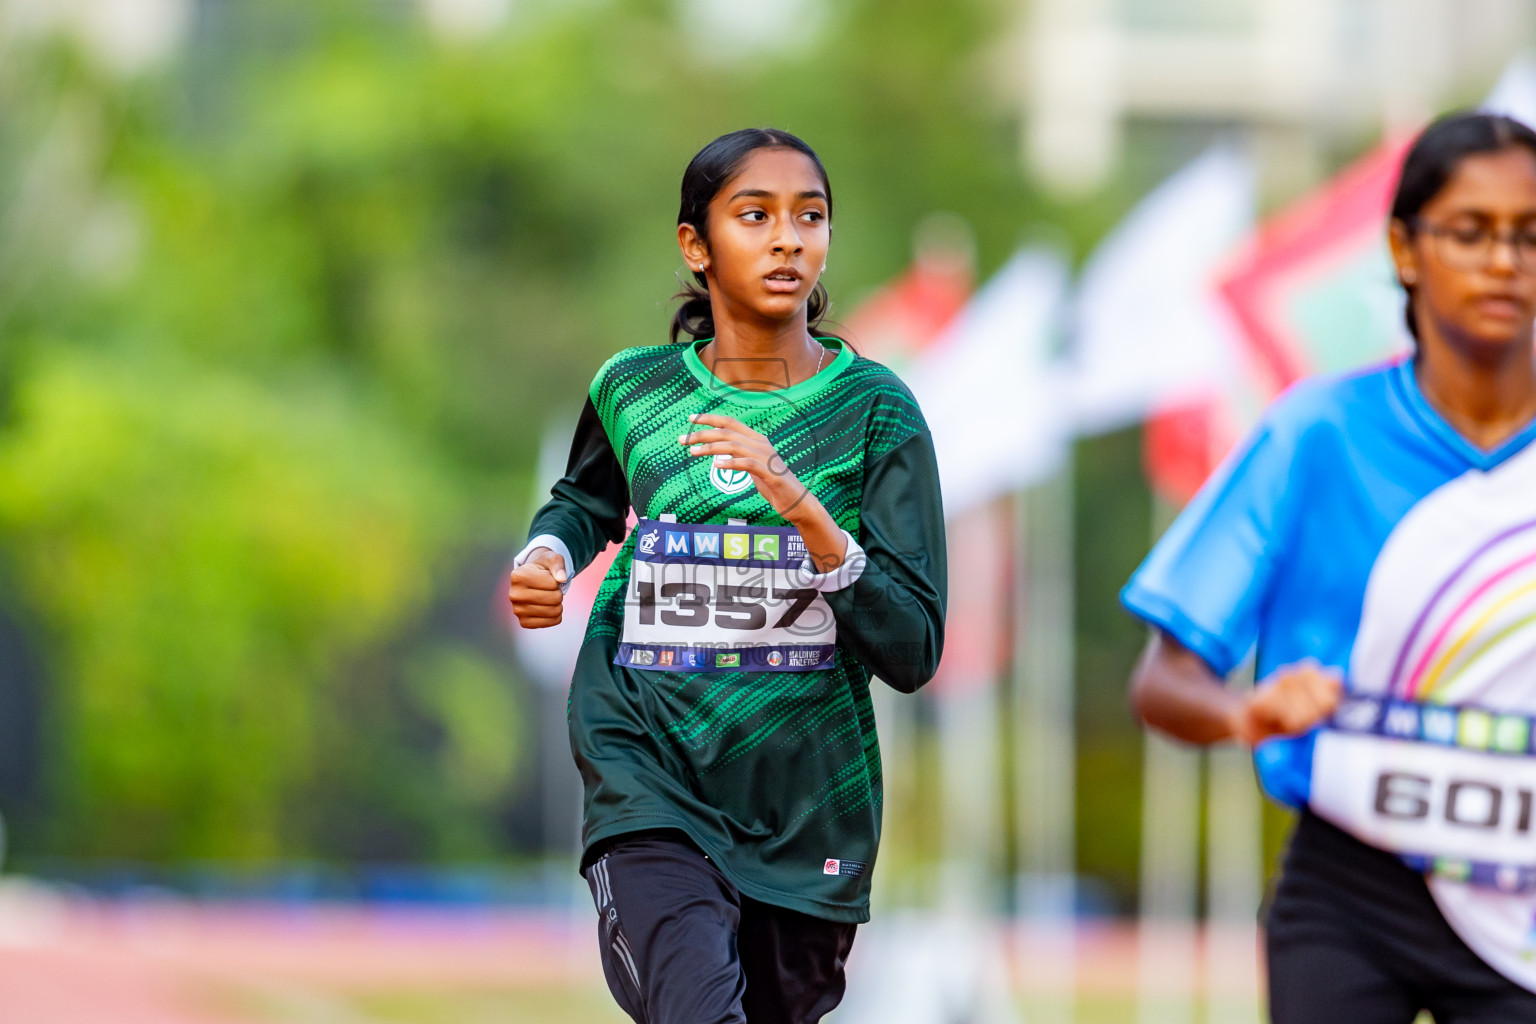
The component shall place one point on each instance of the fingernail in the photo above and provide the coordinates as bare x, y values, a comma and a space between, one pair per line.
722, 457
693, 417
697, 449
682, 438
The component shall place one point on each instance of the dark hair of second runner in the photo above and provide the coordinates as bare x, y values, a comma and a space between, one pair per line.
1433, 159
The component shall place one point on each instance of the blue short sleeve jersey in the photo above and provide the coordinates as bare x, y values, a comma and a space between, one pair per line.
1277, 553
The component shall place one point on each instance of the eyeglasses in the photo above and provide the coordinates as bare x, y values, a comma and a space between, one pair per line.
1469, 247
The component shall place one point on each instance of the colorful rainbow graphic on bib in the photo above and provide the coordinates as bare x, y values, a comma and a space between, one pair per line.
1482, 615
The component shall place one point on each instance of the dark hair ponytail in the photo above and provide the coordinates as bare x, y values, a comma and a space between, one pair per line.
707, 173
1434, 157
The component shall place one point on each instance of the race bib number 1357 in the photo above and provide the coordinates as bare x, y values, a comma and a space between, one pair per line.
723, 599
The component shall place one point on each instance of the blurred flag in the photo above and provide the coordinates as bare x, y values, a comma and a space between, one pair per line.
1148, 328
896, 323
989, 387
1311, 292
1514, 95
957, 356
1314, 292
1183, 444
896, 326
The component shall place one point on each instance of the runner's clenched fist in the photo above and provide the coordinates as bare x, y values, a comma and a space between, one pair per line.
1290, 703
534, 589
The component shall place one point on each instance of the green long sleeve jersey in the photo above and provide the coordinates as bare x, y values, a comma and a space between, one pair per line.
774, 774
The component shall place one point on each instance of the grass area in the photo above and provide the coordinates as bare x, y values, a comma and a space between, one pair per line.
553, 1004
531, 1005
523, 1006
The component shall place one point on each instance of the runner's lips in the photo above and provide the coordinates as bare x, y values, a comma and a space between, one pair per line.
1501, 305
784, 279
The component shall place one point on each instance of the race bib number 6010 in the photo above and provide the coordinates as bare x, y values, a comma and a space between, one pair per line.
1450, 789
723, 599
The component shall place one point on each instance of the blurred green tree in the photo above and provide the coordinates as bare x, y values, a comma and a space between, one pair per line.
277, 360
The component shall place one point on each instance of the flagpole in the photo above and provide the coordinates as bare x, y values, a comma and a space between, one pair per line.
1166, 935
1234, 881
993, 360
1045, 751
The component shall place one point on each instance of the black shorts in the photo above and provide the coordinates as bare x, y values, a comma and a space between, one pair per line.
1354, 937
681, 945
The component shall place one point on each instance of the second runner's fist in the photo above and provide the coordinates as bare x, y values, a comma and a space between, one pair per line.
534, 589
1290, 703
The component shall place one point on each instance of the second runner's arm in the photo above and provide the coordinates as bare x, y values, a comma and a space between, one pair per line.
1202, 590
1176, 692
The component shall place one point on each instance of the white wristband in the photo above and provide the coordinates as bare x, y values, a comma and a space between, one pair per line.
844, 576
555, 544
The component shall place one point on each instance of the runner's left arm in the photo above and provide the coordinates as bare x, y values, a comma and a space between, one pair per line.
891, 617
588, 506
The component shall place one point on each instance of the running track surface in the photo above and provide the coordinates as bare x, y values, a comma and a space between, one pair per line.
79, 961
72, 961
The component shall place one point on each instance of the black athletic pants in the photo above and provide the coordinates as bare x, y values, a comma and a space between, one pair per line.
1355, 937
681, 945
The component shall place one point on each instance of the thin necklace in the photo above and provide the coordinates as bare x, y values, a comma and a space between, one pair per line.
822, 359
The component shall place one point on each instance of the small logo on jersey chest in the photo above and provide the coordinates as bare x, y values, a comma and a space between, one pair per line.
729, 481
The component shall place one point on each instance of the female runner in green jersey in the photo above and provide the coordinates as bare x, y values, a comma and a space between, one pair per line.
790, 546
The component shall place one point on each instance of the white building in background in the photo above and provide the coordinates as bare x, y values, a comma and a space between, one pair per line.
126, 36
1302, 72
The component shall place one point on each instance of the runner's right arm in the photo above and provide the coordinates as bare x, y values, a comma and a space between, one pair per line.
1202, 589
586, 510
1176, 692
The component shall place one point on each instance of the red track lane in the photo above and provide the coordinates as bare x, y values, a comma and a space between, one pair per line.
77, 962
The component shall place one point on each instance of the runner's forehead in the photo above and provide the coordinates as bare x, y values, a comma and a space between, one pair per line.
774, 173
1499, 185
